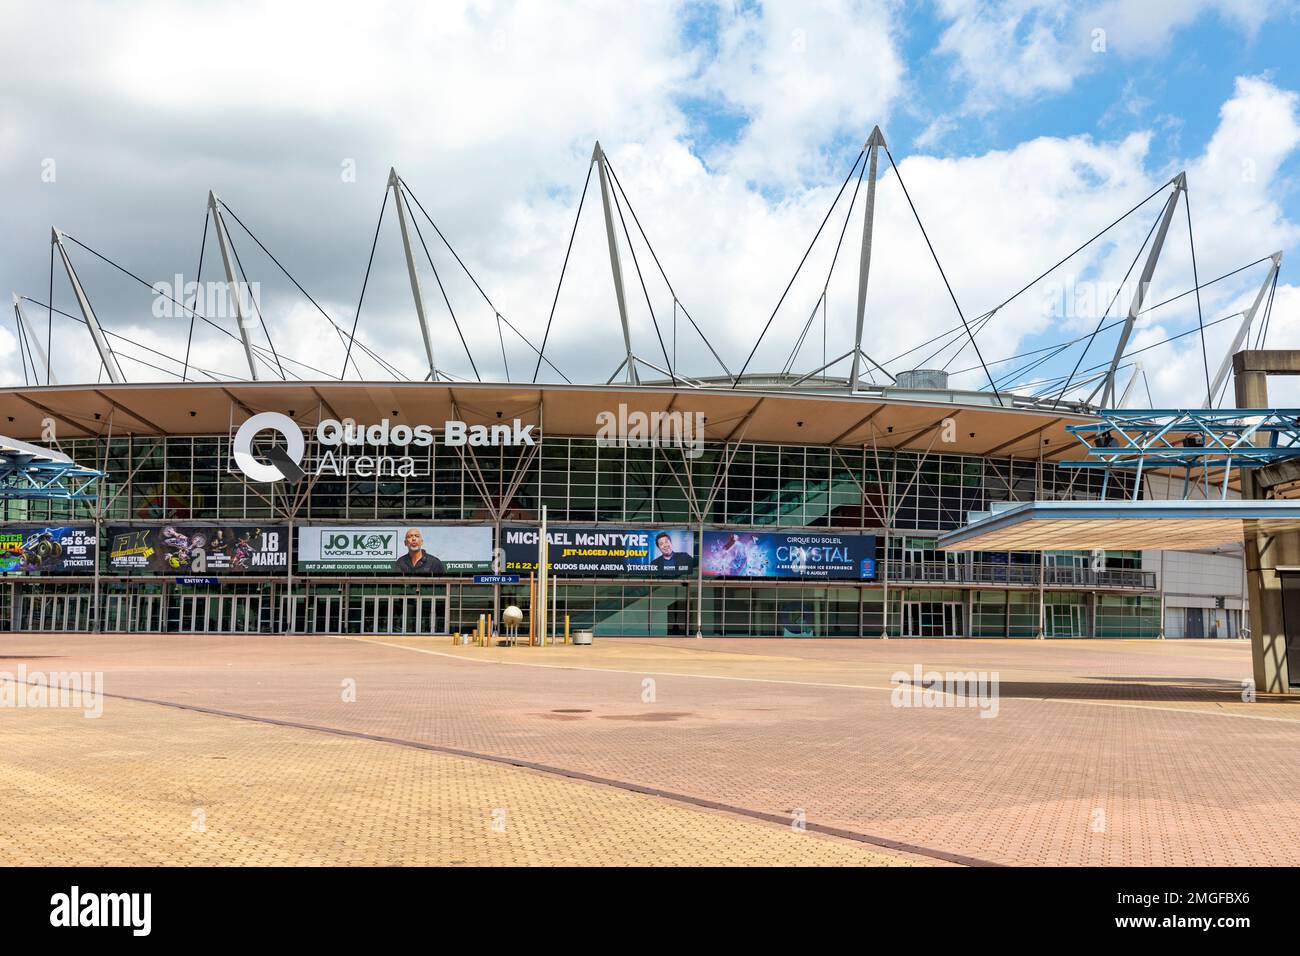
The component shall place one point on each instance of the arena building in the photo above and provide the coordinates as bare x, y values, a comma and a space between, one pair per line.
869, 473
779, 505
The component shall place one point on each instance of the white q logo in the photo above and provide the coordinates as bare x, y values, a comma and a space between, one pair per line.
243, 448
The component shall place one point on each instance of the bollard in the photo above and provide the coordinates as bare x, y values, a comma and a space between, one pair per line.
566, 629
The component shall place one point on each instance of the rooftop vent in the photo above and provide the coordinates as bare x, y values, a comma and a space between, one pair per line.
934, 378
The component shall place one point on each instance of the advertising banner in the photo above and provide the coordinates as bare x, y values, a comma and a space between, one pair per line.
765, 554
38, 550
199, 549
408, 550
640, 552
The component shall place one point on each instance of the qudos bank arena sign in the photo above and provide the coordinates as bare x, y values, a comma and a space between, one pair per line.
344, 444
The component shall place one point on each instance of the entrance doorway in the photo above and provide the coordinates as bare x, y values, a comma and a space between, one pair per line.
221, 613
403, 614
1067, 620
933, 619
54, 612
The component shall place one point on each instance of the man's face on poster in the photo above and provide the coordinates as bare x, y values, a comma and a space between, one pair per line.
665, 545
414, 541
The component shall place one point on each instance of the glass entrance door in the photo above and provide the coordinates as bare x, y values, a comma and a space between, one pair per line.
327, 614
221, 613
1067, 620
116, 614
54, 612
148, 613
403, 614
933, 618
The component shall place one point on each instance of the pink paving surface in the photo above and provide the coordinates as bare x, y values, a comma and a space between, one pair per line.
1113, 753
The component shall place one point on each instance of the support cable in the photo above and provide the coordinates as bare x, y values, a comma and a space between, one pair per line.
446, 300
1111, 304
464, 268
816, 235
198, 286
49, 321
942, 274
636, 264
256, 308
151, 288
22, 348
352, 337
384, 364
1196, 284
131, 341
1146, 348
835, 257
564, 266
658, 265
1040, 277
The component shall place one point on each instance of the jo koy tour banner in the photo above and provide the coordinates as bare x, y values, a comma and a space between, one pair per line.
403, 549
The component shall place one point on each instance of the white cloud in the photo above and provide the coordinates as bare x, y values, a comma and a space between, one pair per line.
491, 119
803, 75
1017, 49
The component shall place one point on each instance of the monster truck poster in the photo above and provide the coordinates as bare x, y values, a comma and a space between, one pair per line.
37, 550
199, 549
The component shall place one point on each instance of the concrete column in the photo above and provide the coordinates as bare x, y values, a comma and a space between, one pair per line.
1264, 554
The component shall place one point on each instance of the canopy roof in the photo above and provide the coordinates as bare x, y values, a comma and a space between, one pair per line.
1121, 525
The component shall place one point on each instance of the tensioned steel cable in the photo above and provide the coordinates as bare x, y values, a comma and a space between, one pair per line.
1057, 346
991, 312
644, 291
172, 299
816, 235
942, 274
464, 268
128, 339
22, 349
49, 321
1196, 284
256, 308
1204, 285
438, 278
364, 282
821, 299
568, 250
658, 265
383, 363
1268, 313
198, 286
1145, 348
1111, 304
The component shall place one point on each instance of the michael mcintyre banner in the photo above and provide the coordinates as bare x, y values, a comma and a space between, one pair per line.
199, 549
764, 554
38, 550
408, 550
653, 552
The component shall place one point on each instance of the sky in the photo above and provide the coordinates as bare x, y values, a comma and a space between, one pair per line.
1016, 131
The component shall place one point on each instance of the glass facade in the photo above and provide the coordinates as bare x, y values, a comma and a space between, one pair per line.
904, 498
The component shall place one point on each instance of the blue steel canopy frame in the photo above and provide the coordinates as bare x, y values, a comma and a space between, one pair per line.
28, 473
1202, 437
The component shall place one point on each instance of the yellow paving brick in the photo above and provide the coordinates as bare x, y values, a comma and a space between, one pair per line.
146, 784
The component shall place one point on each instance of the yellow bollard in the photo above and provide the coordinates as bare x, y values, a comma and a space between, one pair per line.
566, 629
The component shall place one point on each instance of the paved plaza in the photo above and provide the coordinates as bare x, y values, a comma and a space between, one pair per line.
319, 750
